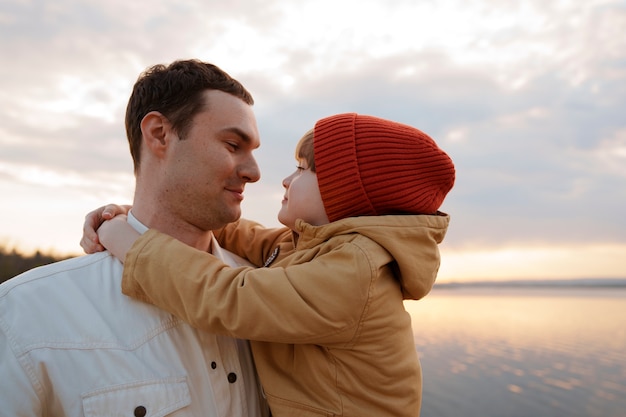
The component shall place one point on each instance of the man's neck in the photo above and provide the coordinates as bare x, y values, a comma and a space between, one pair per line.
185, 232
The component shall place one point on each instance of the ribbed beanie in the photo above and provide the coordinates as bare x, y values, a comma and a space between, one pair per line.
367, 166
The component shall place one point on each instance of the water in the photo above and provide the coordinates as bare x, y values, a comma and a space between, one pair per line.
522, 352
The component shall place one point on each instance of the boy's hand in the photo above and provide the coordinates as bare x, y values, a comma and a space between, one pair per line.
90, 241
117, 236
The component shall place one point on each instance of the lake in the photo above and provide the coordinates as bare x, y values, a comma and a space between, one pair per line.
522, 351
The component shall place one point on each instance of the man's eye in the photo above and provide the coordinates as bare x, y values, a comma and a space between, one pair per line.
234, 146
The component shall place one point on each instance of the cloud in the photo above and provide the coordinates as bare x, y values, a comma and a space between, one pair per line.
527, 97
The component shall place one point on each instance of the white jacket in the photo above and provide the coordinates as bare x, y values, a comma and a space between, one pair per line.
72, 345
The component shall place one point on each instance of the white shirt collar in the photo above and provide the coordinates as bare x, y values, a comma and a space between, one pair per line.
137, 225
226, 256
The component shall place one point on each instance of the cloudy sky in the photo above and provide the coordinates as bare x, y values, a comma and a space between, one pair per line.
528, 97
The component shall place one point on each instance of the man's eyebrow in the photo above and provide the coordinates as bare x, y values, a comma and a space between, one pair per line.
242, 135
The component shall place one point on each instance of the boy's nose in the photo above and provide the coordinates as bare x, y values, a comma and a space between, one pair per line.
287, 181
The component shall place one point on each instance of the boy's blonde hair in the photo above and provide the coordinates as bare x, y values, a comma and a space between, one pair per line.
304, 150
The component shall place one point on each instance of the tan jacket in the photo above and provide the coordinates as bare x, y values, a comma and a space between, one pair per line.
327, 324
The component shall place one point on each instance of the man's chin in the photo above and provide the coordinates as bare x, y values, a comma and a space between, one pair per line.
223, 218
234, 215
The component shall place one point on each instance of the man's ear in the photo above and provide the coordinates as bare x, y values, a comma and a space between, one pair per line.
156, 130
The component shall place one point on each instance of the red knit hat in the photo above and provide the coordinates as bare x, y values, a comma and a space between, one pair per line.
368, 166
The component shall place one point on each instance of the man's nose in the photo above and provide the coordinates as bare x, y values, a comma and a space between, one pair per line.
250, 170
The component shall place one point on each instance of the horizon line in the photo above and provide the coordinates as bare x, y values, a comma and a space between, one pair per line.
532, 282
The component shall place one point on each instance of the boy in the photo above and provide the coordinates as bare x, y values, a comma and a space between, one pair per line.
325, 316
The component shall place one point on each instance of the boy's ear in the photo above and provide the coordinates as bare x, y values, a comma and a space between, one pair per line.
155, 129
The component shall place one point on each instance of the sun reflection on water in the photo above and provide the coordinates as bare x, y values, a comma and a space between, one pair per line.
524, 352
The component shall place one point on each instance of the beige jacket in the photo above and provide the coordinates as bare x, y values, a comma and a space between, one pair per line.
328, 329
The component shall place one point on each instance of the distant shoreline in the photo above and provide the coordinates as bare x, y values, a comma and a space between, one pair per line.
605, 283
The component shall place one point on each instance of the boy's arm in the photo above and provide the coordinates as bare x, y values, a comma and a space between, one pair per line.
315, 302
117, 236
252, 241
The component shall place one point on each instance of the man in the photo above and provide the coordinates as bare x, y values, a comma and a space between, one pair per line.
71, 344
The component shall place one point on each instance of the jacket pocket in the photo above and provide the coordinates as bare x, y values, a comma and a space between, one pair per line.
149, 398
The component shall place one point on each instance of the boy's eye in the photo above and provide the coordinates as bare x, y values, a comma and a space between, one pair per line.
300, 168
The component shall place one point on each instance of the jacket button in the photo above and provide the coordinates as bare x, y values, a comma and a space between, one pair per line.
213, 365
140, 411
232, 377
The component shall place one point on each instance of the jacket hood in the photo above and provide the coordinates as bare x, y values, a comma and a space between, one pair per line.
412, 240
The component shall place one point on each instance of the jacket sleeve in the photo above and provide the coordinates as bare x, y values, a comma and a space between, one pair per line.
251, 240
321, 301
17, 394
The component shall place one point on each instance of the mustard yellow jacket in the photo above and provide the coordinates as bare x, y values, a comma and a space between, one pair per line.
327, 325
